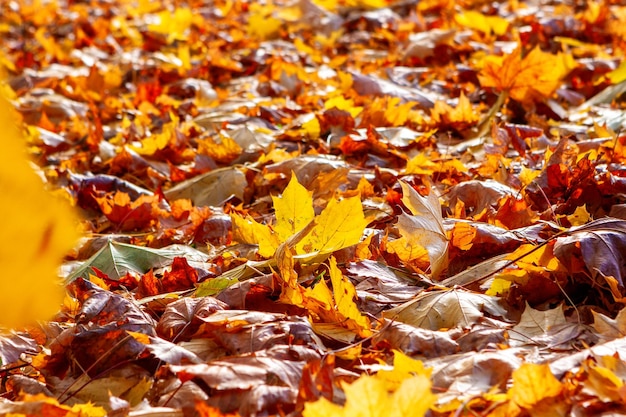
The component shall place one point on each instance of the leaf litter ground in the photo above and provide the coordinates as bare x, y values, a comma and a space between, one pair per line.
320, 207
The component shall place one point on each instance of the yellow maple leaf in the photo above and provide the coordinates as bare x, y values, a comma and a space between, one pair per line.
248, 230
460, 117
294, 209
534, 76
33, 241
345, 294
420, 164
158, 141
369, 396
403, 368
225, 151
339, 225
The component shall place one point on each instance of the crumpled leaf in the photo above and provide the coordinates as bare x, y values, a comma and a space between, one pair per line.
609, 328
549, 328
602, 245
446, 309
423, 230
13, 345
235, 378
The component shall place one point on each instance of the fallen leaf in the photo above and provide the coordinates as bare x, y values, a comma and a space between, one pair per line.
422, 230
446, 309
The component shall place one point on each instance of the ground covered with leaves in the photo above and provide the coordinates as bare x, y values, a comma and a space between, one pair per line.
325, 207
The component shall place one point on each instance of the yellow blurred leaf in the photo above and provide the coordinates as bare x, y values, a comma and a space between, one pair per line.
478, 21
460, 117
369, 396
533, 383
420, 164
341, 103
34, 241
579, 217
403, 367
173, 24
225, 151
261, 23
617, 75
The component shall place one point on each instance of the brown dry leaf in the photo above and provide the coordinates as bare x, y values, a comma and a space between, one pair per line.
422, 231
446, 309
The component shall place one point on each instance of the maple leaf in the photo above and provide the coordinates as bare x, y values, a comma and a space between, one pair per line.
294, 209
404, 391
525, 78
460, 117
338, 226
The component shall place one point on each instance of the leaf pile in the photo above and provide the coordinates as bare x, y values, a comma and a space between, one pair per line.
320, 207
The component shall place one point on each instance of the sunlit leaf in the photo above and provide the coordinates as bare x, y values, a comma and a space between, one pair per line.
294, 209
345, 295
525, 77
248, 230
445, 309
339, 225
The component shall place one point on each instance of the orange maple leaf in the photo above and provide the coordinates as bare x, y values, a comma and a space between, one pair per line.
526, 78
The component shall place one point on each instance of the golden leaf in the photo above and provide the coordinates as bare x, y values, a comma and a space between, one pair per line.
340, 225
248, 230
294, 209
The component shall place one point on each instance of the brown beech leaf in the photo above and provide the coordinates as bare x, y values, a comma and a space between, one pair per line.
252, 383
210, 189
415, 341
544, 328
